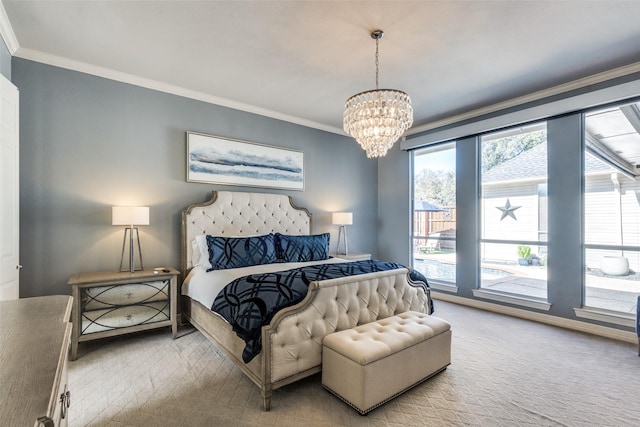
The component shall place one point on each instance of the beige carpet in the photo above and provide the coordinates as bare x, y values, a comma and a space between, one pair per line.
505, 372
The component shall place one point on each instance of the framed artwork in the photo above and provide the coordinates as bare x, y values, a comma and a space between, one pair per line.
216, 160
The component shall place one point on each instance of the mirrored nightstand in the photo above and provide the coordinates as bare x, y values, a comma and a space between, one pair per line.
354, 256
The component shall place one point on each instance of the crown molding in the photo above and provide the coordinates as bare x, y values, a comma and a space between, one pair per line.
11, 41
107, 73
535, 96
6, 30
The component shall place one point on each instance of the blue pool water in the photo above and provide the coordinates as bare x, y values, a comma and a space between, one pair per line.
433, 269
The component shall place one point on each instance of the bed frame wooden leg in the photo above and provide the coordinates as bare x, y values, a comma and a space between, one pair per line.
266, 400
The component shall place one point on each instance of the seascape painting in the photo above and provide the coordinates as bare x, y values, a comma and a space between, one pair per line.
217, 160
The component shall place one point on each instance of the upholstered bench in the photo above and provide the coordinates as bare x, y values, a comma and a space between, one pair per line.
371, 364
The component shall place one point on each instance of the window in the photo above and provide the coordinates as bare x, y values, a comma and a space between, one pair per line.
513, 235
612, 208
547, 215
434, 213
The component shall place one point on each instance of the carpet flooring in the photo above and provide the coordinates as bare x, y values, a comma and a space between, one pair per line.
505, 372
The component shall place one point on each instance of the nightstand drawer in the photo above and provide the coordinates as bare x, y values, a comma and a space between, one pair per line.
125, 316
102, 297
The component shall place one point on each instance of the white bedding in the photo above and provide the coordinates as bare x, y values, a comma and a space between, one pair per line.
204, 286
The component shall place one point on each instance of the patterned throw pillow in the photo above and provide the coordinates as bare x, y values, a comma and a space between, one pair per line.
302, 248
235, 252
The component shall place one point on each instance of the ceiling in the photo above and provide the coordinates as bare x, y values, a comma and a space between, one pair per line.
300, 60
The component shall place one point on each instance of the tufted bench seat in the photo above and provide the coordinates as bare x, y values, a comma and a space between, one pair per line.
372, 363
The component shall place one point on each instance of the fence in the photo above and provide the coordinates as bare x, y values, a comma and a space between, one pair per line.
437, 225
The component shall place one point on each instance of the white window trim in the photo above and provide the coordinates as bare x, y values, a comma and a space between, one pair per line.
607, 316
512, 299
443, 287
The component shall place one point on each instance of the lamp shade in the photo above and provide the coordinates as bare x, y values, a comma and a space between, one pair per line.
130, 215
342, 218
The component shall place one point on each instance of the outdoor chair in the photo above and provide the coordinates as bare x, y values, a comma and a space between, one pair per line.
433, 242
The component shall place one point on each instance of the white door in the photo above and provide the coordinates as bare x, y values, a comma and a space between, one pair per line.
9, 191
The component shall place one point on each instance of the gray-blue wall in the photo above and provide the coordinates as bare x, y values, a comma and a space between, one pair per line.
394, 206
89, 143
5, 60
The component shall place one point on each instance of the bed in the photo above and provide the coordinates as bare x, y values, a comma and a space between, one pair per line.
291, 343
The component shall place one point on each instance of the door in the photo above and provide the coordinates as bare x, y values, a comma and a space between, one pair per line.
9, 191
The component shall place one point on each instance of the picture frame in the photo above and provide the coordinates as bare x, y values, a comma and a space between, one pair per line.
218, 160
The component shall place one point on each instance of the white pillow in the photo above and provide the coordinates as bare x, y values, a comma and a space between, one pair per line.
200, 252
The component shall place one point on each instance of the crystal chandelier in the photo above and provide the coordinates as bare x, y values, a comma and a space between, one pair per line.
377, 118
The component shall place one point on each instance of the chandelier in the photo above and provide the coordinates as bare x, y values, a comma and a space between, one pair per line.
377, 118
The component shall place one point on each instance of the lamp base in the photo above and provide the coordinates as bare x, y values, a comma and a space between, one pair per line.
342, 235
132, 267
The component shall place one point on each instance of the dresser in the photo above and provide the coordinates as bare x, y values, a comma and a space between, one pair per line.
107, 304
34, 347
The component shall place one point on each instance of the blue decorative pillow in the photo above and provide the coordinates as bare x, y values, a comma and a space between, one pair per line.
235, 252
302, 248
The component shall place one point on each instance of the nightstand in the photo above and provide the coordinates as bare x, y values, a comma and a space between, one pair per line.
354, 256
107, 304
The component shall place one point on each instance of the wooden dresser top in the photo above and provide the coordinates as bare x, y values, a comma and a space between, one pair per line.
32, 333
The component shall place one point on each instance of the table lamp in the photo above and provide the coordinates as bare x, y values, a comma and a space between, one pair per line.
130, 216
341, 219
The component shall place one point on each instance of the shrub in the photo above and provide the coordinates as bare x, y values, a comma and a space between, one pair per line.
524, 251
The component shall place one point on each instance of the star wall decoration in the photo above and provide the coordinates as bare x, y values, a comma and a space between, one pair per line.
508, 210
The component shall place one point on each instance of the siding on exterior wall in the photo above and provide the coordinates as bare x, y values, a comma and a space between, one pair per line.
598, 199
524, 227
630, 205
611, 218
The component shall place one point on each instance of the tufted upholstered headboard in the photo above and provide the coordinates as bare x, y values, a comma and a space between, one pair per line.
237, 214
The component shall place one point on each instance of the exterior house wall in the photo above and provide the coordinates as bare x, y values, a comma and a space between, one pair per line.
601, 226
630, 206
611, 217
524, 227
599, 197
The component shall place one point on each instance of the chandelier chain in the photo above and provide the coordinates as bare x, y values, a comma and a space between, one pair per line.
377, 62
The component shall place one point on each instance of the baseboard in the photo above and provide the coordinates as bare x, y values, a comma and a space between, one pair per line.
561, 322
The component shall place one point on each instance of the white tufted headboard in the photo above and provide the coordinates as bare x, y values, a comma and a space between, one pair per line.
236, 214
